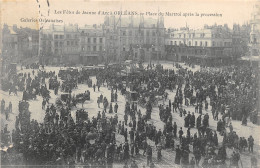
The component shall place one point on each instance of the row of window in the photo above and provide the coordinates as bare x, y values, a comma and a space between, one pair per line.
94, 40
190, 51
58, 44
91, 48
147, 49
126, 41
68, 36
193, 35
137, 32
205, 44
196, 43
70, 49
69, 43
58, 36
189, 35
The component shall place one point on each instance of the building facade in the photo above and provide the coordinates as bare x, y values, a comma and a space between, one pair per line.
254, 44
60, 44
9, 44
71, 44
254, 48
122, 38
19, 44
92, 44
211, 41
240, 40
134, 38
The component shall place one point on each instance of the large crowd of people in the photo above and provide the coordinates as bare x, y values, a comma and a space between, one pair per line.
229, 93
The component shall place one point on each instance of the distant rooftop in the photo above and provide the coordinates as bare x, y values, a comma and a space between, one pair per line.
134, 21
68, 28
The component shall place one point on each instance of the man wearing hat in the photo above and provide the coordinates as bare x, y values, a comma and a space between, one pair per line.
192, 163
149, 155
126, 151
251, 144
235, 157
178, 155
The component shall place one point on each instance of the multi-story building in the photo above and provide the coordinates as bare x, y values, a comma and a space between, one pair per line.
92, 44
111, 38
240, 40
60, 44
19, 44
254, 49
28, 44
211, 41
133, 38
71, 44
254, 43
46, 47
71, 47
10, 44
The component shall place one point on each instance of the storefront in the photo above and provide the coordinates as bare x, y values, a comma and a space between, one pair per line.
89, 59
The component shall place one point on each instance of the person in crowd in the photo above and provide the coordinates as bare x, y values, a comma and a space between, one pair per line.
235, 157
115, 108
149, 155
178, 155
251, 144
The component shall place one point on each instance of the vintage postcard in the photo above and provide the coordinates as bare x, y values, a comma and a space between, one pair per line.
130, 84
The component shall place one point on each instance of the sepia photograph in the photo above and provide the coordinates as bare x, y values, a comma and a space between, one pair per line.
130, 84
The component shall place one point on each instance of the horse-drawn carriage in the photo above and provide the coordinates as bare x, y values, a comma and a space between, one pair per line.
63, 100
132, 96
65, 97
65, 74
83, 96
143, 100
81, 115
153, 97
68, 85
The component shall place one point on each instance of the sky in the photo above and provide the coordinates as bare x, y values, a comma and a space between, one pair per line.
232, 11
